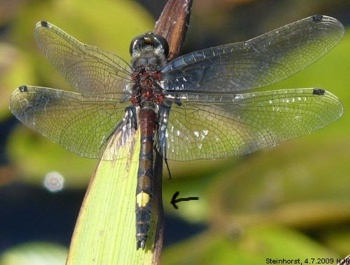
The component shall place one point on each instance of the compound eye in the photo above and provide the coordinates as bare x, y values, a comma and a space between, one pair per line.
135, 44
162, 43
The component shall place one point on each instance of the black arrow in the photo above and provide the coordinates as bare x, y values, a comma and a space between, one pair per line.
174, 200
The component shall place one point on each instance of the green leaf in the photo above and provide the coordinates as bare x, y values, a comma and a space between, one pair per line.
105, 230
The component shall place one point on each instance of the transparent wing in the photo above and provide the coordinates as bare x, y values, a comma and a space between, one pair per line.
82, 125
87, 69
255, 63
217, 126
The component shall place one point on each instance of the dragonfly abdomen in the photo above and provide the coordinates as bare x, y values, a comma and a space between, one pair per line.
145, 176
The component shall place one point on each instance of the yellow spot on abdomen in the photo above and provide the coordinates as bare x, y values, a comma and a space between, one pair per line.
142, 199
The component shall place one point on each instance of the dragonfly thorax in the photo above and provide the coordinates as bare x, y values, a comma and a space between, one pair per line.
146, 90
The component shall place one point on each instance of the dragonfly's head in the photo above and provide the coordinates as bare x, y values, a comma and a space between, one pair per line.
149, 50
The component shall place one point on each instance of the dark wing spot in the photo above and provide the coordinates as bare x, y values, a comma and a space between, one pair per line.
318, 91
23, 89
44, 24
317, 18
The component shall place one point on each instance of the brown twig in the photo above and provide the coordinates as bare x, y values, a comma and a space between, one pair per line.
172, 25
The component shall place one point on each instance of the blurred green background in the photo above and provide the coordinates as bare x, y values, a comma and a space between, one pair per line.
291, 202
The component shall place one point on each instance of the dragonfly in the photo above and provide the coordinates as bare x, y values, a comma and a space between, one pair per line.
202, 105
